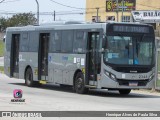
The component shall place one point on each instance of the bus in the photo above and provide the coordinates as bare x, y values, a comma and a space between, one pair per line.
109, 55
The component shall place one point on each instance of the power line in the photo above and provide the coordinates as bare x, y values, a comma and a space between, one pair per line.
73, 6
11, 1
65, 5
2, 1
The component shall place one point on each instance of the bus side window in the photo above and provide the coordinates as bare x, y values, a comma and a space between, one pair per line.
33, 42
67, 41
24, 43
8, 41
55, 45
79, 42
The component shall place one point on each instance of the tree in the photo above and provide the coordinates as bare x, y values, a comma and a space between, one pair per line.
22, 19
3, 24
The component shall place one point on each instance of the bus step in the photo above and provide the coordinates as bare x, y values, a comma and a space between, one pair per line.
43, 82
91, 86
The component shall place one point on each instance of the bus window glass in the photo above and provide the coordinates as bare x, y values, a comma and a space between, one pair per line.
117, 49
33, 42
24, 43
129, 50
8, 42
144, 50
56, 42
67, 42
79, 45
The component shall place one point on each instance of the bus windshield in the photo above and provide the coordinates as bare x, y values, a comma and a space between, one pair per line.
129, 50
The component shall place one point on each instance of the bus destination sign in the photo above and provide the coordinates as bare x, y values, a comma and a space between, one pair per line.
136, 29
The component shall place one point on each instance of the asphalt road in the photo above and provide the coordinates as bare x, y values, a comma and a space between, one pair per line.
54, 98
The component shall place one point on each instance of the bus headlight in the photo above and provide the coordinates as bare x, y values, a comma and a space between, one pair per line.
110, 75
113, 77
107, 73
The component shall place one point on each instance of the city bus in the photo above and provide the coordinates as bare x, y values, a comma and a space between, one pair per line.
109, 55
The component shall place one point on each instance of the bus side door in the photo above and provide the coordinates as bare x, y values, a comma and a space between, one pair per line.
43, 56
14, 59
93, 57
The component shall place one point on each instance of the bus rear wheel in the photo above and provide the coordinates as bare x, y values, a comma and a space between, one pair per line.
29, 79
79, 85
124, 91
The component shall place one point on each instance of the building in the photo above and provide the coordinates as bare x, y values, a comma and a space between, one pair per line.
131, 10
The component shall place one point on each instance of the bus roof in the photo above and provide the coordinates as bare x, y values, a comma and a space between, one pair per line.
67, 25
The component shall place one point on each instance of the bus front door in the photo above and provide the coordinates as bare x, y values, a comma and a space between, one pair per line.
14, 61
93, 57
43, 56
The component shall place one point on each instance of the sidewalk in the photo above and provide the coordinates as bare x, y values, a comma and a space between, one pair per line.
1, 61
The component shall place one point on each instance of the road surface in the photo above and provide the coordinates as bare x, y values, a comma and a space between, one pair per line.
54, 98
1, 61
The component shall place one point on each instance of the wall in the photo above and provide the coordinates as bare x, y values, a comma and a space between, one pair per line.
140, 5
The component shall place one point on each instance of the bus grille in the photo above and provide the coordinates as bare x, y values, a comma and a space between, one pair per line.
126, 82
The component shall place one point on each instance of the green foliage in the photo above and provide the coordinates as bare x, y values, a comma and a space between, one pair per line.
1, 48
21, 19
1, 69
3, 24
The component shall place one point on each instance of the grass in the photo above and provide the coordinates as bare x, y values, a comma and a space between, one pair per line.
158, 61
158, 83
1, 69
1, 48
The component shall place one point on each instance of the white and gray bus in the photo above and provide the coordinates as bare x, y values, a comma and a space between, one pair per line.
113, 56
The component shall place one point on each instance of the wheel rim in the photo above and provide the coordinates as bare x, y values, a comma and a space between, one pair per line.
79, 84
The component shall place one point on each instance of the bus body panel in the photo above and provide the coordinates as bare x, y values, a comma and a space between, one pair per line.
62, 67
28, 59
125, 78
7, 63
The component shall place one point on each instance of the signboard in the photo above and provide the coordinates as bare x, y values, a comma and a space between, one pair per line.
146, 16
127, 5
136, 29
129, 28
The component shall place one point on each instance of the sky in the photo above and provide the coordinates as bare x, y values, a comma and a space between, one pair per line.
8, 7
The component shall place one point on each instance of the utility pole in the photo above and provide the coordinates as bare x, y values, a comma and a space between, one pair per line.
97, 14
54, 15
117, 9
122, 9
37, 12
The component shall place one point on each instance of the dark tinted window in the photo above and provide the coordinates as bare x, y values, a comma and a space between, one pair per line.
33, 41
55, 45
67, 41
24, 42
79, 44
8, 41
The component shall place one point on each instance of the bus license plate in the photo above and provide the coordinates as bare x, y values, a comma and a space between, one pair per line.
133, 84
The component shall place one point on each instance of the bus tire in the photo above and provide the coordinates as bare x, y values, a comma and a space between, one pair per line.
124, 91
79, 85
29, 78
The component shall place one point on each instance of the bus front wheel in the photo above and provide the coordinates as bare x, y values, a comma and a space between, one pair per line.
79, 85
124, 91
